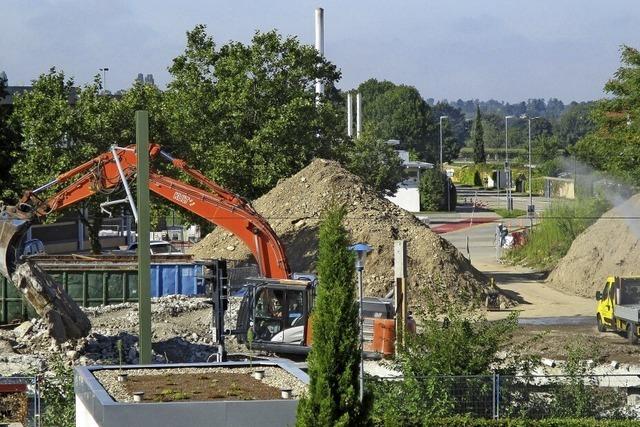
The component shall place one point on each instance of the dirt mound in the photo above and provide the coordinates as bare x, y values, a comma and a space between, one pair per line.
609, 247
295, 205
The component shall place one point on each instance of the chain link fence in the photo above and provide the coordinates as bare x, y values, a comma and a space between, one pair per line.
517, 396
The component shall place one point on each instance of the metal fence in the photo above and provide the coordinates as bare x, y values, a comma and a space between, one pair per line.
20, 401
516, 396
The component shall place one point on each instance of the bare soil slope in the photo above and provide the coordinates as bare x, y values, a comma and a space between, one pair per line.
294, 208
609, 247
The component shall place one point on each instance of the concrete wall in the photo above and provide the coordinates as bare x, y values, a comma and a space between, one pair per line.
407, 197
95, 408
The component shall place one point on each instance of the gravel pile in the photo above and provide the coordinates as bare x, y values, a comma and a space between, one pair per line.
273, 376
610, 247
295, 205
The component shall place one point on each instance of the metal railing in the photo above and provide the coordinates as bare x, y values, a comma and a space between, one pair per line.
615, 396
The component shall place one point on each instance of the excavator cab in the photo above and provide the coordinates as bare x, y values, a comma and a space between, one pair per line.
277, 311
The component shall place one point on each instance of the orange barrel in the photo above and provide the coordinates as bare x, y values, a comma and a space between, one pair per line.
388, 336
378, 332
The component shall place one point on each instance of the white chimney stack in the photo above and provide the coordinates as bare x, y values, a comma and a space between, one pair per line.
358, 115
349, 115
319, 47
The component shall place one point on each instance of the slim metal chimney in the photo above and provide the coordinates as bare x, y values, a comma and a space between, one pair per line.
349, 115
319, 47
358, 115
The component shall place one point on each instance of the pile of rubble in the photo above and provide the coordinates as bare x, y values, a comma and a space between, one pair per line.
294, 209
181, 332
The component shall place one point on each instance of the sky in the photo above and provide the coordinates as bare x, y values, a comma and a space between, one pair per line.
509, 50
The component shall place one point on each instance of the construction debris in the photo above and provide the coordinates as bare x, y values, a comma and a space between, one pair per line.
63, 316
294, 209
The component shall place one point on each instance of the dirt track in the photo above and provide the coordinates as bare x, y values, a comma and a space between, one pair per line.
562, 318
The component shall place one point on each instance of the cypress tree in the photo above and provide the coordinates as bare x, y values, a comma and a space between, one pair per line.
334, 359
479, 155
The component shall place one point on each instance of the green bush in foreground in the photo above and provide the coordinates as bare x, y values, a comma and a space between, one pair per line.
433, 192
561, 223
58, 398
550, 422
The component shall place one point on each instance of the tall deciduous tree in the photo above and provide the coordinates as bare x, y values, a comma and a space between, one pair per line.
334, 358
455, 129
376, 162
398, 112
614, 145
247, 113
479, 155
63, 126
9, 145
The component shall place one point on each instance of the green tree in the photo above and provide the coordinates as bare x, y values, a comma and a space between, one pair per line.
614, 145
574, 123
64, 126
376, 162
433, 191
9, 145
455, 129
246, 114
479, 155
398, 112
545, 148
334, 358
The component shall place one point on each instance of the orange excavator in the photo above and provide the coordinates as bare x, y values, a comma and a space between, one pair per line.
276, 307
111, 170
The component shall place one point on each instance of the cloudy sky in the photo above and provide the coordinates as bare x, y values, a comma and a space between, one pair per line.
503, 49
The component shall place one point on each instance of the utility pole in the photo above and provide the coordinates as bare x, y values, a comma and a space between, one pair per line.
442, 167
507, 169
144, 228
319, 15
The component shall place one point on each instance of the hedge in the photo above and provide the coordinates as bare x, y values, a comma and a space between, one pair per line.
521, 422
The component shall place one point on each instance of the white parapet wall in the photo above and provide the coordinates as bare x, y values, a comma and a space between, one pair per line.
407, 197
83, 416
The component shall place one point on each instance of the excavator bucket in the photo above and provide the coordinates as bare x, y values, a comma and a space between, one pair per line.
12, 232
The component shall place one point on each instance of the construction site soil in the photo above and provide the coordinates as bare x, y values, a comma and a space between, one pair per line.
609, 247
294, 209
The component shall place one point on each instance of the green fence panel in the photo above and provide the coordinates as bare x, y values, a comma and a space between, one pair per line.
74, 285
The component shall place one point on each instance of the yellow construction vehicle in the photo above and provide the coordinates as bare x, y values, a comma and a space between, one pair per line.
619, 306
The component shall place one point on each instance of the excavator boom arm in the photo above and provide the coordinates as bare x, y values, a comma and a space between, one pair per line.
101, 175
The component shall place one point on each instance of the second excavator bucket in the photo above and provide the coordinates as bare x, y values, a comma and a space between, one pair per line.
14, 224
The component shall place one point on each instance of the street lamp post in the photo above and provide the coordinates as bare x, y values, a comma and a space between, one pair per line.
507, 169
442, 167
530, 208
441, 118
104, 78
361, 250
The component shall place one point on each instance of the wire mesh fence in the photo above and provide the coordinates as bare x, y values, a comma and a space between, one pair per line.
19, 401
516, 396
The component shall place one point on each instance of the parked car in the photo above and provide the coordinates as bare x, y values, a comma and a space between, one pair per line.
158, 247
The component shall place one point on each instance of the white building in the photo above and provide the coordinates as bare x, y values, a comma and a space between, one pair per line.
408, 194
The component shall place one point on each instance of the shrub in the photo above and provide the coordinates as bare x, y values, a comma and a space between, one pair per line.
561, 223
58, 396
433, 191
462, 344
